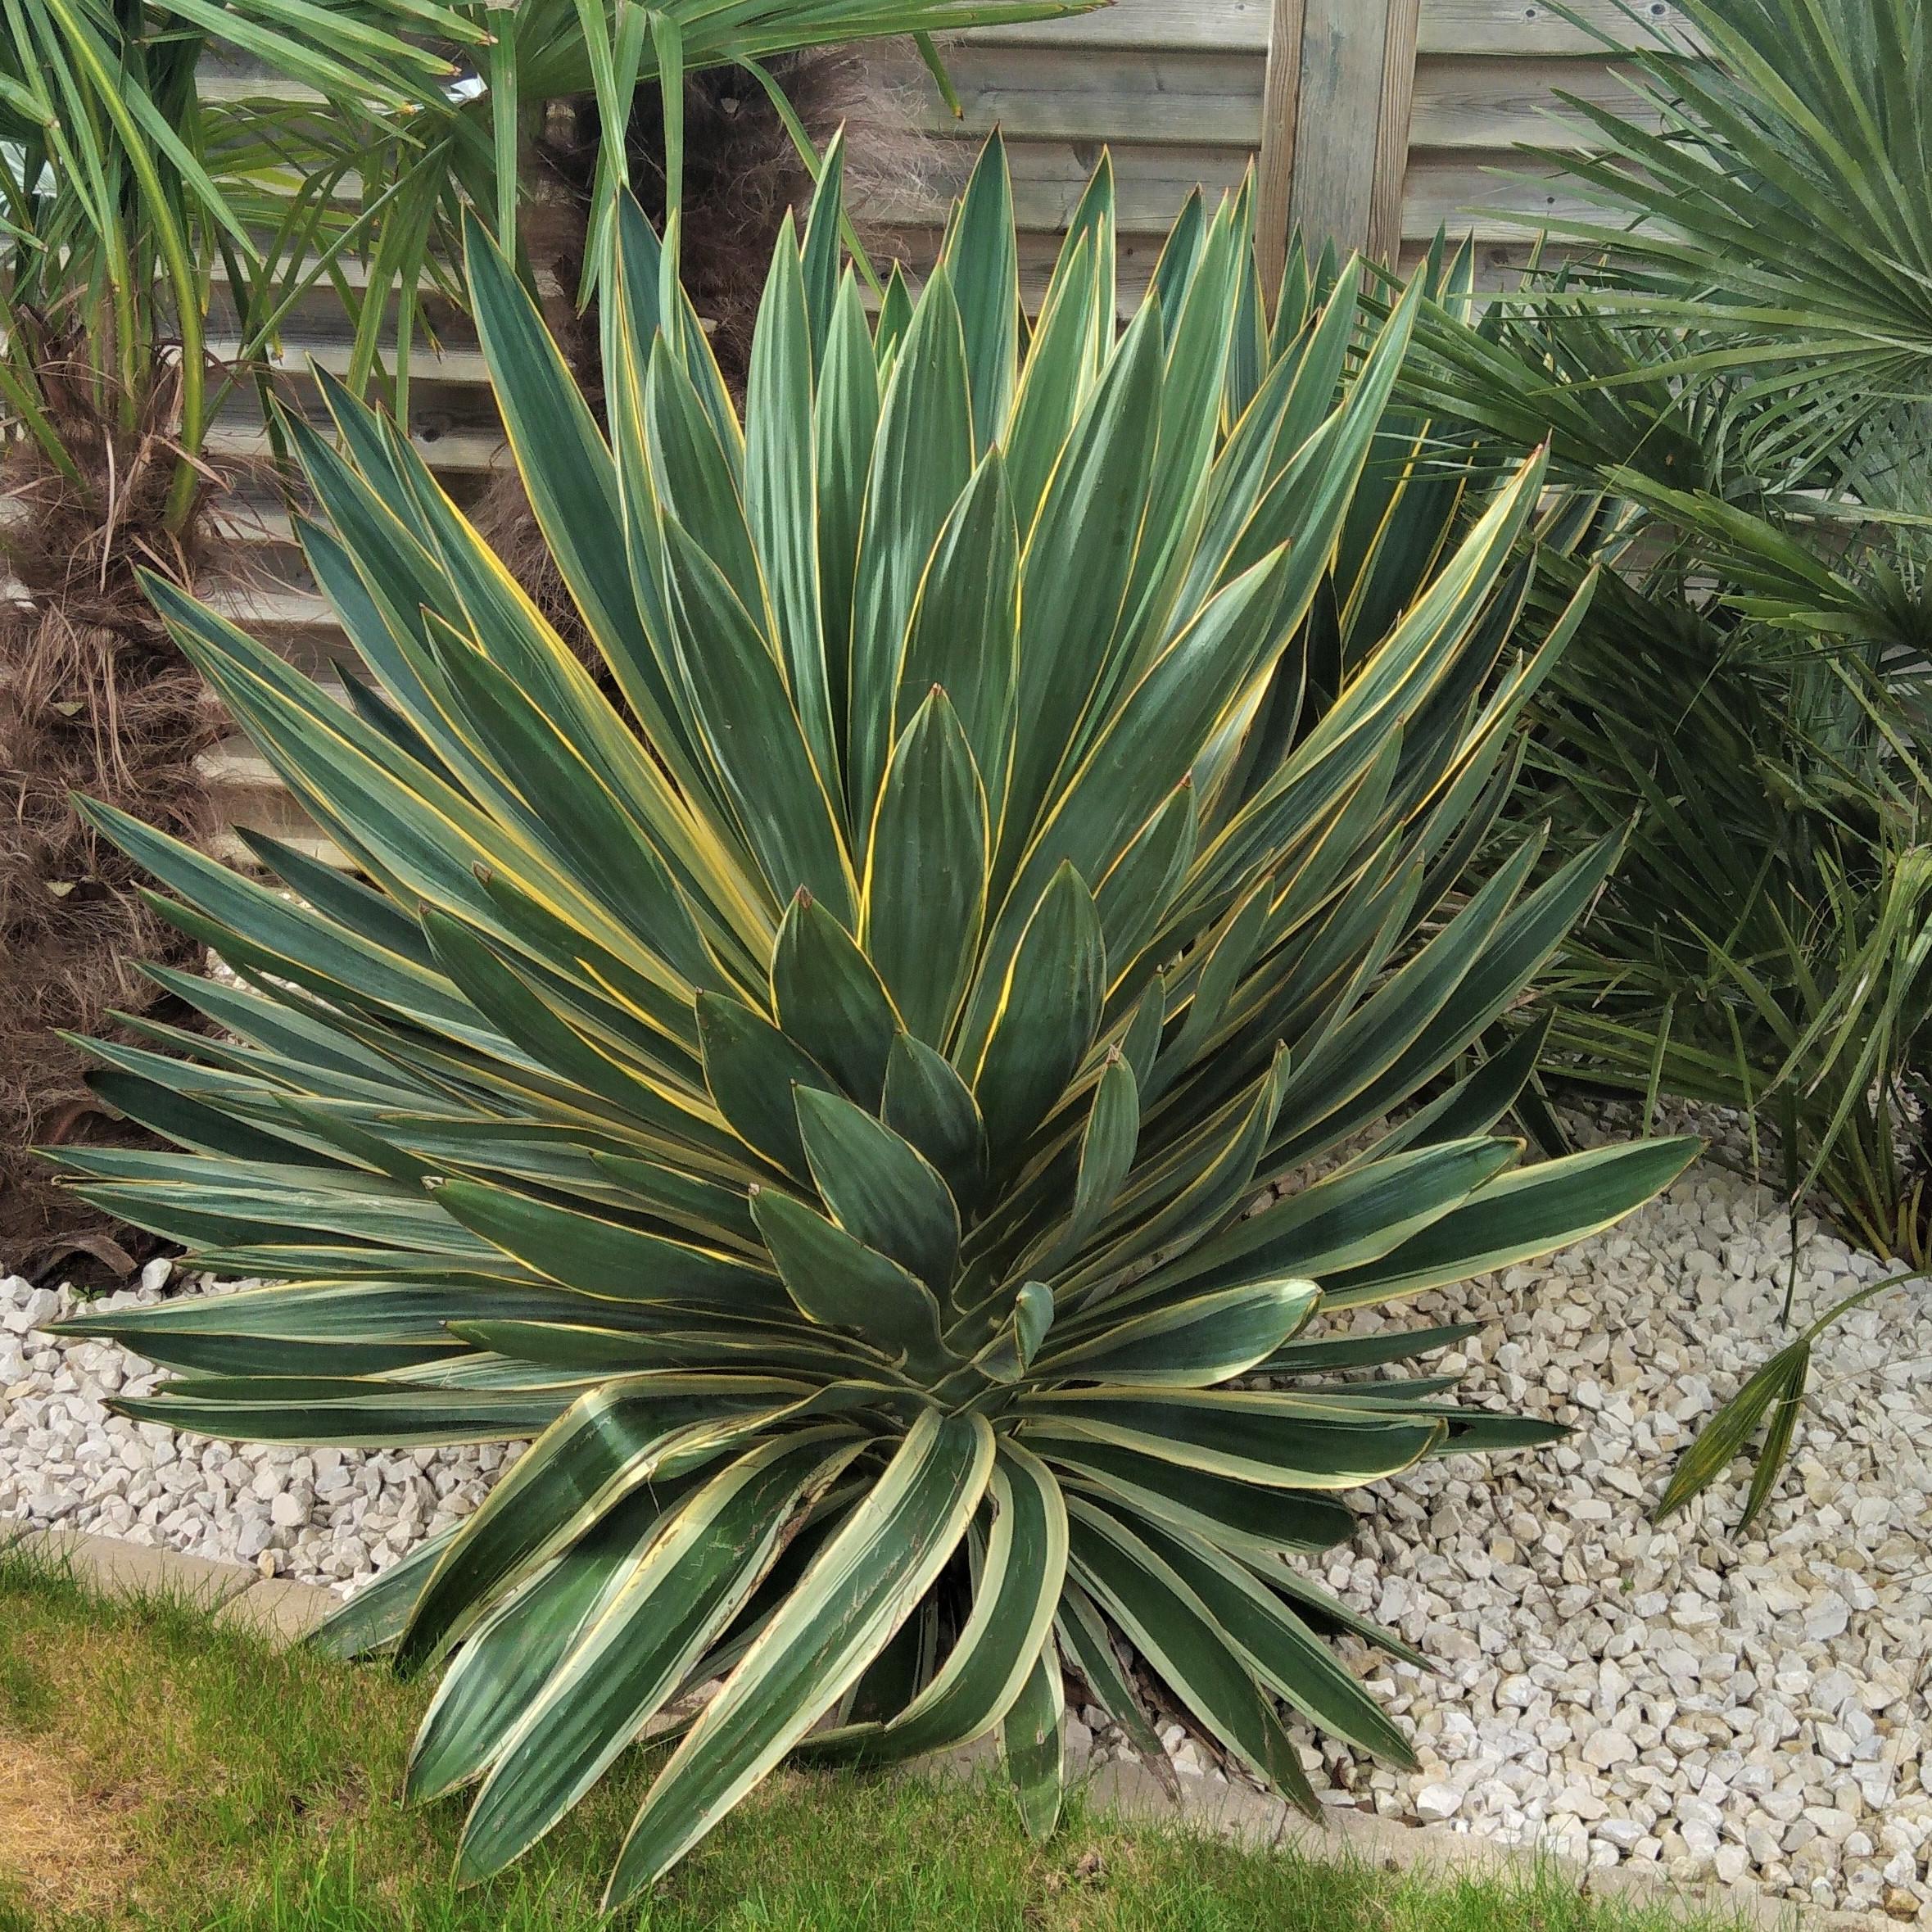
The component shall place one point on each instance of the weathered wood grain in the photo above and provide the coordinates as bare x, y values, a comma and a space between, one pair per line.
1392, 129
1510, 28
1167, 99
1281, 121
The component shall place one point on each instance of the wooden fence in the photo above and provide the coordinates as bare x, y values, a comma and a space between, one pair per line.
1375, 122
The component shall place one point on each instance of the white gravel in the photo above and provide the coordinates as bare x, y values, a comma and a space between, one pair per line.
333, 1516
1747, 1707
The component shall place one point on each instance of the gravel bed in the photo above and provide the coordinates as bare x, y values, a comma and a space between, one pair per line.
331, 1516
1752, 1706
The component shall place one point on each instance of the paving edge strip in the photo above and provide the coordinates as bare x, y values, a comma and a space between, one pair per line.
282, 1612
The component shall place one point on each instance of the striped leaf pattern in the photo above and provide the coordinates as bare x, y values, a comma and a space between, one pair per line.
814, 1070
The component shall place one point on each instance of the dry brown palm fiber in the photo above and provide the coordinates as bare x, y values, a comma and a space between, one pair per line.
94, 699
742, 172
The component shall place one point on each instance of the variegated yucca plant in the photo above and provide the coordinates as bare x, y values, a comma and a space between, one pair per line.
811, 1071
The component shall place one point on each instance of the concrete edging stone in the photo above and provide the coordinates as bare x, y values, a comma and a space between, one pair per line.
282, 1612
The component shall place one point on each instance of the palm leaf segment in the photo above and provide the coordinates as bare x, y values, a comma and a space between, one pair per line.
814, 1088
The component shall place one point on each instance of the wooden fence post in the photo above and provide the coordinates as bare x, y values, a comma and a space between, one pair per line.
1391, 130
1335, 120
1281, 101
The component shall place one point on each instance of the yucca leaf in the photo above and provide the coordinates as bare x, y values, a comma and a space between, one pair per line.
1200, 1182
895, 320
819, 254
1077, 558
1031, 1745
1017, 1341
622, 1436
829, 1000
1372, 1351
981, 257
860, 1587
1086, 1643
1140, 759
928, 1104
1140, 1036
1176, 1631
845, 421
921, 461
963, 635
880, 1188
566, 466
1280, 1440
689, 1201
1139, 887
1474, 1105
375, 1616
835, 1278
1250, 1520
1279, 1647
1058, 364
1518, 1216
754, 736
924, 896
1047, 1014
601, 1256
752, 1069
693, 455
1193, 1344
365, 1413
698, 1569
510, 1657
780, 496
1107, 1143
987, 1670
1343, 1221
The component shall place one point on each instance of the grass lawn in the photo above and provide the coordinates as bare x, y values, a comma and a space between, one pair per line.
158, 1772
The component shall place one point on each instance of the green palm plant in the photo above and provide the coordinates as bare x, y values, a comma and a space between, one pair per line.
1767, 202
819, 1093
125, 190
424, 172
130, 192
1734, 389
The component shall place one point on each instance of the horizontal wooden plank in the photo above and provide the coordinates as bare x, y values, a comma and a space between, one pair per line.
448, 367
1493, 196
1049, 177
1504, 27
1163, 98
470, 452
1139, 98
1465, 103
1228, 26
1525, 29
1142, 96
1151, 183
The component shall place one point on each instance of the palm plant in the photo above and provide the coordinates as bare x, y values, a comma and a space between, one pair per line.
135, 199
1735, 391
1764, 944
819, 1094
127, 189
1769, 202
423, 174
124, 191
